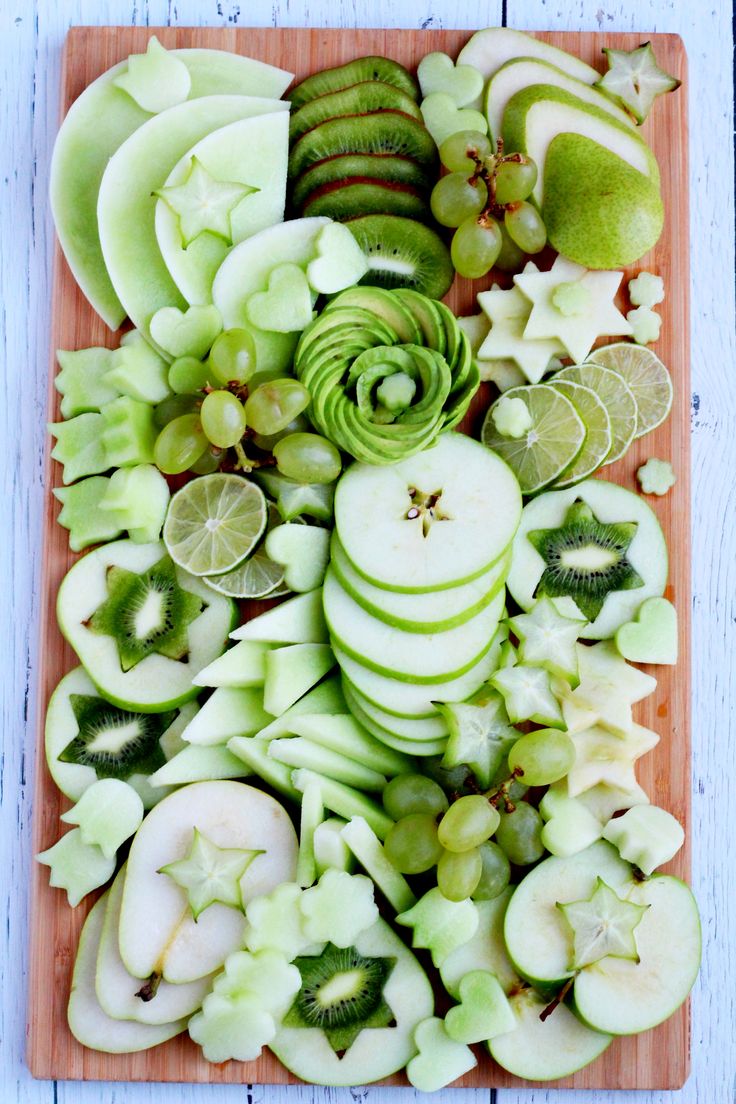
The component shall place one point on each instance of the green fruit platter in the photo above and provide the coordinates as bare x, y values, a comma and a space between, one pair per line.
365, 679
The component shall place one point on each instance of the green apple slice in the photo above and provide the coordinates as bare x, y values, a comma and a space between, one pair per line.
431, 522
158, 934
413, 746
126, 206
252, 152
413, 657
409, 728
485, 950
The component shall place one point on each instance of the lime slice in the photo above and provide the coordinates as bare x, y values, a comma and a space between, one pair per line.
647, 377
548, 448
258, 576
214, 522
597, 438
615, 394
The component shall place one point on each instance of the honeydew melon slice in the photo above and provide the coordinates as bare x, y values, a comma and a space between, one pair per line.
413, 657
300, 620
647, 552
96, 125
117, 990
246, 270
377, 1052
250, 151
520, 73
433, 612
474, 515
405, 699
536, 115
88, 1023
156, 683
158, 934
126, 205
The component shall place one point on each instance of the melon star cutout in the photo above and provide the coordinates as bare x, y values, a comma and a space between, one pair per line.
210, 873
601, 756
204, 203
602, 926
508, 313
576, 330
608, 688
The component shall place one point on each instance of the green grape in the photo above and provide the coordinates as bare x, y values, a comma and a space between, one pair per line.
179, 444
455, 199
543, 757
468, 823
475, 247
515, 180
413, 793
524, 225
495, 873
412, 845
232, 357
458, 874
187, 374
271, 407
265, 441
208, 462
307, 458
174, 406
459, 152
511, 258
223, 418
519, 834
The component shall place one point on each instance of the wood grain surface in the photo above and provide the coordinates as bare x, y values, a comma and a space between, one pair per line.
30, 59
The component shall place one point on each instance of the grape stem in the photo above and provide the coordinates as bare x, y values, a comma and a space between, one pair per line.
485, 170
501, 793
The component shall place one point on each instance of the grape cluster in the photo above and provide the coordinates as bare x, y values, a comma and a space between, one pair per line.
213, 409
483, 198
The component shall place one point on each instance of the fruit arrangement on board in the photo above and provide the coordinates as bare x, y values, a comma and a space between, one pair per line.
396, 815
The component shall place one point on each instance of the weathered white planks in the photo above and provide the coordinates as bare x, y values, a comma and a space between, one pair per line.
29, 73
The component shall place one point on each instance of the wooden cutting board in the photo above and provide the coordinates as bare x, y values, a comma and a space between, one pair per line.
657, 1059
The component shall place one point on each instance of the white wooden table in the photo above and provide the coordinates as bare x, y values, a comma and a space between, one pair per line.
31, 38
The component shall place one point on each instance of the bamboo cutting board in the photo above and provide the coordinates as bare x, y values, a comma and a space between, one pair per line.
657, 1059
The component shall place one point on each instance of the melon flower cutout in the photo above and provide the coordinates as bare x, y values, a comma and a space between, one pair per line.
137, 604
635, 79
608, 688
585, 537
204, 203
509, 312
104, 730
480, 734
603, 926
603, 756
210, 873
338, 908
156, 80
576, 315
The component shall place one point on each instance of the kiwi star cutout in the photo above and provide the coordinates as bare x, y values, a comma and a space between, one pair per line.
114, 742
602, 926
204, 203
585, 559
480, 735
146, 613
210, 874
341, 993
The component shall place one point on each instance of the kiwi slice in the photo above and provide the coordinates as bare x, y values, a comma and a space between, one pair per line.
358, 99
350, 198
372, 68
585, 559
373, 166
341, 993
146, 613
116, 743
403, 253
379, 132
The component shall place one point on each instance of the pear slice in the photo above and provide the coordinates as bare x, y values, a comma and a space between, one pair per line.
158, 934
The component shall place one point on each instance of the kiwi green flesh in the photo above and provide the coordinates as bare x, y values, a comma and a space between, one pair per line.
146, 613
403, 253
365, 96
376, 166
357, 196
371, 68
377, 132
341, 993
115, 742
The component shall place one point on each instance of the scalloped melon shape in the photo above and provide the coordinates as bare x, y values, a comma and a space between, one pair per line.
83, 148
126, 207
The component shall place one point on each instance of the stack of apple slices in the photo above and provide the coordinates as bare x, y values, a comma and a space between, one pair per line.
415, 588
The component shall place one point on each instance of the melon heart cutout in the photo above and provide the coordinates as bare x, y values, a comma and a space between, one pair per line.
652, 637
483, 1011
438, 73
186, 333
440, 1059
340, 262
287, 304
303, 551
442, 117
